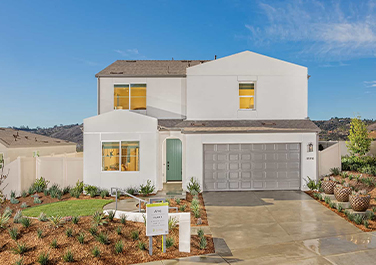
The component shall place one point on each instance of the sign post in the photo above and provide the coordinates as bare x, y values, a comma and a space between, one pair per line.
156, 222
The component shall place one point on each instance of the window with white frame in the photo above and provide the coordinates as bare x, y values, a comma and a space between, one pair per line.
130, 96
246, 95
120, 156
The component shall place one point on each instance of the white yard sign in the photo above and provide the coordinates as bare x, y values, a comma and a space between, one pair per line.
157, 219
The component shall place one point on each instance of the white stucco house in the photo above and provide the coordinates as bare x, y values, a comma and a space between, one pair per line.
235, 123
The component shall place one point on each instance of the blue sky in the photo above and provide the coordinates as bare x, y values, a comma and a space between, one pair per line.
51, 50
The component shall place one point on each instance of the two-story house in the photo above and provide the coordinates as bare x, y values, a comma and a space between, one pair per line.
235, 123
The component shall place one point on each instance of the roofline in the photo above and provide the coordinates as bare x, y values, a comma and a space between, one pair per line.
136, 76
242, 131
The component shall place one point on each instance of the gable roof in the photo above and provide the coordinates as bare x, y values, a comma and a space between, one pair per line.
148, 68
238, 126
16, 138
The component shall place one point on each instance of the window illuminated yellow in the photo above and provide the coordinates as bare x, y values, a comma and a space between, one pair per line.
110, 156
138, 96
121, 97
247, 96
129, 156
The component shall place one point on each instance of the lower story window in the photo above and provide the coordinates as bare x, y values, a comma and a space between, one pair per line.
120, 156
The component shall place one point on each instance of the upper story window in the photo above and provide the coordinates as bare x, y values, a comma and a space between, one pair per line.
130, 96
246, 95
120, 156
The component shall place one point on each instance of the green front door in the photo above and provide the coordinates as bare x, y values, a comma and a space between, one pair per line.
173, 160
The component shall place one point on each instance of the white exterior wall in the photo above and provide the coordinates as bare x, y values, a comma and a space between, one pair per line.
120, 125
194, 150
165, 97
281, 90
329, 158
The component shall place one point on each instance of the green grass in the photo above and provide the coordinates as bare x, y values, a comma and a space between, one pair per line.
67, 208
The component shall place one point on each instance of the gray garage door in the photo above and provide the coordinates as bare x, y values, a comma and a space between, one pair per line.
251, 167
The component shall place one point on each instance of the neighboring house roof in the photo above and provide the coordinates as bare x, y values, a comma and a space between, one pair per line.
16, 138
372, 127
148, 68
234, 126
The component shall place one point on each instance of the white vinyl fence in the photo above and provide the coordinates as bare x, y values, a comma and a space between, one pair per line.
64, 171
329, 158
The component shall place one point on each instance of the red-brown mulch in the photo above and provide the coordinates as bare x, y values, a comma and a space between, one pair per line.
83, 253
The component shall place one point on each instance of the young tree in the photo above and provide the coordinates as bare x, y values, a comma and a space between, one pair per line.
359, 141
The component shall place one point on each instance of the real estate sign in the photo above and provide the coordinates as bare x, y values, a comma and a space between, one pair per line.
157, 219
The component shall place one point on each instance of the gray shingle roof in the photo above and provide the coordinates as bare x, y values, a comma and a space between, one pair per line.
148, 68
15, 138
234, 126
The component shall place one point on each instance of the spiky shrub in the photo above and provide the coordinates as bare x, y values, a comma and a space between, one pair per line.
169, 242
104, 193
13, 233
366, 223
93, 230
123, 219
91, 190
203, 243
182, 208
147, 189
340, 208
74, 192
81, 238
31, 190
320, 197
351, 217
327, 200
131, 190
344, 174
118, 230
37, 200
24, 194
99, 218
21, 248
358, 219
42, 217
39, 233
96, 252
55, 192
68, 256
19, 262
75, 219
56, 221
53, 243
40, 184
172, 223
14, 201
196, 212
66, 190
332, 205
195, 203
12, 194
371, 216
351, 176
335, 171
200, 232
141, 245
103, 238
135, 235
26, 222
43, 258
69, 232
111, 215
193, 185
17, 217
177, 200
119, 247
45, 192
24, 205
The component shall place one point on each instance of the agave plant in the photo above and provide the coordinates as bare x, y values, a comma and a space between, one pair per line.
99, 218
4, 218
56, 221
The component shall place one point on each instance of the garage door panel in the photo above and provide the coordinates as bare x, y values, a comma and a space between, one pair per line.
252, 166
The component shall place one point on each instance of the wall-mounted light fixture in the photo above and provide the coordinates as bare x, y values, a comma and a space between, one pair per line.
310, 147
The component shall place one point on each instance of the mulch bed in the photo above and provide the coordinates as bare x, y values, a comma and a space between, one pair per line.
83, 253
371, 190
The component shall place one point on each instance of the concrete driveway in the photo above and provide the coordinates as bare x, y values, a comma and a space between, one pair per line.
280, 227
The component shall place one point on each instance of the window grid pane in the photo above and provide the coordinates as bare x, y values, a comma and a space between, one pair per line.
246, 96
121, 97
130, 156
110, 156
138, 97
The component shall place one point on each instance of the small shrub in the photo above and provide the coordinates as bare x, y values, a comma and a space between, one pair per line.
123, 219
79, 186
141, 245
344, 174
55, 192
54, 243
37, 200
69, 232
132, 190
31, 190
12, 194
371, 216
147, 189
366, 223
104, 194
135, 235
40, 184
26, 222
24, 194
13, 232
332, 205
14, 200
24, 205
19, 262
93, 230
339, 208
91, 190
193, 185
56, 221
358, 219
111, 215
68, 256
103, 238
45, 192
118, 230
351, 216
17, 217
43, 258
196, 212
320, 197
66, 190
119, 247
169, 242
368, 181
39, 233
20, 249
42, 217
177, 200
335, 171
351, 176
327, 200
99, 218
8, 211
200, 232
75, 219
81, 238
75, 193
195, 203
182, 208
203, 243
96, 252
172, 223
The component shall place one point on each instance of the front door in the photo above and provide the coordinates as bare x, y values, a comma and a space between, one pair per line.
173, 160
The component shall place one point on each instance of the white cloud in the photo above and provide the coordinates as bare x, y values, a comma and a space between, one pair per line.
327, 30
128, 52
370, 83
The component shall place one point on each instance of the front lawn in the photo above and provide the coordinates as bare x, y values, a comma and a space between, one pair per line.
67, 208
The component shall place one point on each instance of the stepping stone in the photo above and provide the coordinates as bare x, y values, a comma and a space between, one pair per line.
368, 212
331, 196
345, 205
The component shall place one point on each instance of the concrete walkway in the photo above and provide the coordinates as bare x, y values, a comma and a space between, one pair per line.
280, 228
